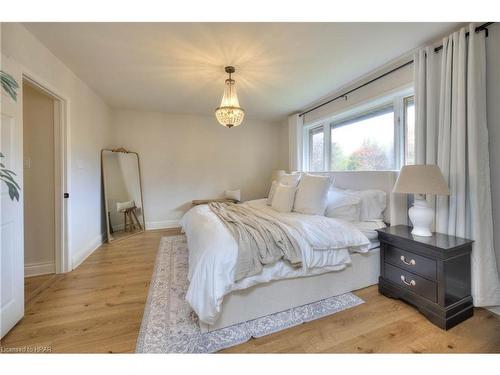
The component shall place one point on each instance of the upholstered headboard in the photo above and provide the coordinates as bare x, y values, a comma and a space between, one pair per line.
396, 210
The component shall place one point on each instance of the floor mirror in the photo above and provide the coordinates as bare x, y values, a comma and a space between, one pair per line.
124, 210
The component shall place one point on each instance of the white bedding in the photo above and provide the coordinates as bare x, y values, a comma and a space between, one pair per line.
325, 243
368, 228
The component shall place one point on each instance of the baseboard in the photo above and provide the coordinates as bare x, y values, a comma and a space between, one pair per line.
152, 225
37, 269
494, 309
80, 257
491, 300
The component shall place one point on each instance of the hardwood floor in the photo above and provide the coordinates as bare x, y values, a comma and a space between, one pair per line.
381, 325
34, 285
99, 306
96, 308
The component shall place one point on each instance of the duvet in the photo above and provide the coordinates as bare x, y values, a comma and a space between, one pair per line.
325, 245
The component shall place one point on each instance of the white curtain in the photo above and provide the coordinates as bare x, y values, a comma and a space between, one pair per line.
295, 129
451, 131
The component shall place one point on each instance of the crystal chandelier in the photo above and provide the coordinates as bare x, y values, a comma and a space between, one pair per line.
230, 113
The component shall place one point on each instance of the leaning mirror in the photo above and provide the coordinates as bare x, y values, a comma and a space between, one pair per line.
121, 177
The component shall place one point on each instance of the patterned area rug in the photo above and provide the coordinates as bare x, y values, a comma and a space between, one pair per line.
169, 324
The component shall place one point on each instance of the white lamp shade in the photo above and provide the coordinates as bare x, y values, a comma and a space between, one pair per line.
421, 179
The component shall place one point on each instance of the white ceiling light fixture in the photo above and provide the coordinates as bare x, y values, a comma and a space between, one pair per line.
230, 113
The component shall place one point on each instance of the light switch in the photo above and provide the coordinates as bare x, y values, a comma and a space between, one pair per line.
27, 163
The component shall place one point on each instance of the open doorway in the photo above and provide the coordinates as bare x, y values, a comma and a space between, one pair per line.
42, 186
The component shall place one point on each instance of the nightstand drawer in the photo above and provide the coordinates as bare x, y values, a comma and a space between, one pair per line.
411, 281
411, 262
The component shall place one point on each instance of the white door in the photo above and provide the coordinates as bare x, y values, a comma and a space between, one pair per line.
11, 212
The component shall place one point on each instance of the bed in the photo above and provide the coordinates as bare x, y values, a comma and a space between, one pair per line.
220, 301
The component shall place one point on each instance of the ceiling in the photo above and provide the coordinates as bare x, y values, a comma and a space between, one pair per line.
179, 67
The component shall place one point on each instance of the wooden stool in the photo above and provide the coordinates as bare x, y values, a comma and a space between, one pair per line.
130, 214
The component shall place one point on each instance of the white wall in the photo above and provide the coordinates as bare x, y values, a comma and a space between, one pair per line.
493, 108
89, 132
38, 182
192, 157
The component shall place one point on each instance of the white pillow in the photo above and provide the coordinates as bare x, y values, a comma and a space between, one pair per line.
343, 206
270, 196
233, 194
312, 195
291, 179
283, 198
373, 203
122, 206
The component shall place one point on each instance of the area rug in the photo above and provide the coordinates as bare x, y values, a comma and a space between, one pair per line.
169, 324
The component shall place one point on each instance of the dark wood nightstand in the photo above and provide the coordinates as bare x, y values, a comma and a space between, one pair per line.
431, 273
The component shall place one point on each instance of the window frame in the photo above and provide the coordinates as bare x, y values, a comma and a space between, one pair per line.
311, 133
396, 100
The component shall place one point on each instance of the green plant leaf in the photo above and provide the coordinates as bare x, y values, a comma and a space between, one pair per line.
10, 91
9, 84
7, 178
8, 171
6, 76
13, 191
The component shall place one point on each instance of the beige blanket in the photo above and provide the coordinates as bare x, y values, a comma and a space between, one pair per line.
261, 238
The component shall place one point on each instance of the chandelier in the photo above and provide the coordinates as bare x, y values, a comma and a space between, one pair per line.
230, 113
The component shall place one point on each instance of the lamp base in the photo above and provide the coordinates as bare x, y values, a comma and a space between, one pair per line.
421, 216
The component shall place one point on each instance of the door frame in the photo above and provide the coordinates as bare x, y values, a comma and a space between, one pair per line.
63, 261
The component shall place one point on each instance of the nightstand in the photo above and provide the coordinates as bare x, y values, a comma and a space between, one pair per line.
431, 273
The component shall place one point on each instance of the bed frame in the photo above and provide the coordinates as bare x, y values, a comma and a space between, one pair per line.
268, 298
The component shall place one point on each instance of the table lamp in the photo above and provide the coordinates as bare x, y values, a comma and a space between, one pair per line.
421, 180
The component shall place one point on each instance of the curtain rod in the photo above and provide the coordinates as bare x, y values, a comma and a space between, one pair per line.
482, 27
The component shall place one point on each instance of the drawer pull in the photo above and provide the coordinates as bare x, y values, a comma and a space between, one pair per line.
410, 263
411, 283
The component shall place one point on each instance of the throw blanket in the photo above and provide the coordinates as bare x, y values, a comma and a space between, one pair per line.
261, 238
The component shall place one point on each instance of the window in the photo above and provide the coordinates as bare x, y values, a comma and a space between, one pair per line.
379, 135
409, 118
364, 143
316, 150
